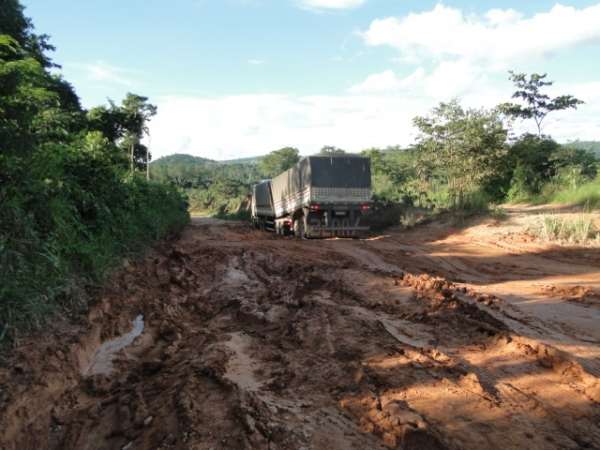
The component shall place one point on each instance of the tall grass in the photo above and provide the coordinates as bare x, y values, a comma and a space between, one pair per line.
576, 230
585, 195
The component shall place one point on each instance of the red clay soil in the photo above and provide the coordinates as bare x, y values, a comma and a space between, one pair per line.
436, 338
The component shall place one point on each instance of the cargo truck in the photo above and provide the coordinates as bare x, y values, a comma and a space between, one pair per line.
321, 196
261, 207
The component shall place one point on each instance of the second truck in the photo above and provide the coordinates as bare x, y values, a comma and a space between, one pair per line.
321, 196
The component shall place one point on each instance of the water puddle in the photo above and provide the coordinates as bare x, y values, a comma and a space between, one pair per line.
240, 368
102, 361
235, 276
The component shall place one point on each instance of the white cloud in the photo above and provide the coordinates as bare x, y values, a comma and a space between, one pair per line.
101, 71
499, 37
246, 125
331, 4
387, 81
453, 79
447, 80
502, 16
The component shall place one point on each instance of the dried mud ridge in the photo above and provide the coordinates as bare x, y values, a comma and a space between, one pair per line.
579, 294
260, 343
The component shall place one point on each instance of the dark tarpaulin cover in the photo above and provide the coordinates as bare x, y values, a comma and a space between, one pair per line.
340, 171
262, 195
324, 172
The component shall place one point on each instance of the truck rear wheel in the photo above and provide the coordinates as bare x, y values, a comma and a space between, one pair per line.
299, 230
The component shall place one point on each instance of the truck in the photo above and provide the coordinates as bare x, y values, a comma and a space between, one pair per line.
321, 196
261, 206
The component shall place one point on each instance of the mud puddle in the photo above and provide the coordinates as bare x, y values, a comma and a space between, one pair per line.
102, 361
240, 368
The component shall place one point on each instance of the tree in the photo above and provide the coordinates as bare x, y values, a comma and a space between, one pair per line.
125, 125
392, 173
537, 105
137, 112
111, 121
330, 150
460, 148
582, 160
14, 23
30, 110
529, 165
279, 161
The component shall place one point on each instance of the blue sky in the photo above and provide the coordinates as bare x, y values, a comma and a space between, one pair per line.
243, 77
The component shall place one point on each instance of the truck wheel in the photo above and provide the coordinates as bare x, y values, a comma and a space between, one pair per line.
335, 224
299, 228
346, 225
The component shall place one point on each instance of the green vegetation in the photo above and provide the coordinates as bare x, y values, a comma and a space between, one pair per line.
587, 195
592, 147
559, 191
73, 199
212, 188
463, 162
457, 153
221, 188
536, 168
278, 161
577, 230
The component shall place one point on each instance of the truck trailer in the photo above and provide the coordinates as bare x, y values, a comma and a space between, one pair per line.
321, 196
262, 212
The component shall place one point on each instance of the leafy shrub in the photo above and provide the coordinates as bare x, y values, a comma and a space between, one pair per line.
237, 208
69, 208
66, 223
384, 214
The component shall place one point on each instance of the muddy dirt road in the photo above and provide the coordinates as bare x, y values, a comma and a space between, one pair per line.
229, 338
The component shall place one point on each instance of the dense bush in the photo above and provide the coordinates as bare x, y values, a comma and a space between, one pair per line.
65, 221
212, 188
72, 200
539, 169
531, 169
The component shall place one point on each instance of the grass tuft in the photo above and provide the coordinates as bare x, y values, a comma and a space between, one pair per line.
577, 230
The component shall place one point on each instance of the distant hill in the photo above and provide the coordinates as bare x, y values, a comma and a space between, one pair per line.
248, 160
189, 172
189, 160
182, 159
